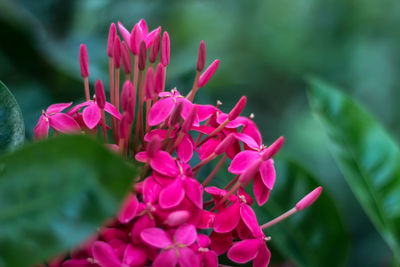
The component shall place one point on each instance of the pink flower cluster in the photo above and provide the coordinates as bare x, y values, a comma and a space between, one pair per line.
173, 217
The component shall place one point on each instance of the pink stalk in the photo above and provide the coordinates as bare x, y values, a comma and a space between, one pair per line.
215, 171
279, 218
117, 64
149, 90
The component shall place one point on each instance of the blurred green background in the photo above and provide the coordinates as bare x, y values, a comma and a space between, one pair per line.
266, 49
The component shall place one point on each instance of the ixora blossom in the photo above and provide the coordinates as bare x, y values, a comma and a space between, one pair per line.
173, 217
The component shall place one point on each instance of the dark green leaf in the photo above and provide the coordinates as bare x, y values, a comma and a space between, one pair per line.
313, 235
54, 193
366, 154
12, 130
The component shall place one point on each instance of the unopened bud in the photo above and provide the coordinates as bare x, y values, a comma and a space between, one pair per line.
225, 144
124, 126
238, 108
309, 199
111, 37
208, 73
135, 39
201, 58
155, 48
178, 217
176, 114
273, 149
84, 61
126, 58
100, 95
151, 36
188, 123
149, 84
117, 52
142, 56
159, 79
250, 172
165, 49
153, 146
126, 94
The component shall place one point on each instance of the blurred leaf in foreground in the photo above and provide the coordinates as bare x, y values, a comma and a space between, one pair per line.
55, 193
367, 156
12, 129
308, 237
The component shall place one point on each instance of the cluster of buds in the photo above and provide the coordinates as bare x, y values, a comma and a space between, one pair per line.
173, 217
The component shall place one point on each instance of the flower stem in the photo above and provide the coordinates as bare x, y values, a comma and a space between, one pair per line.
279, 218
215, 171
86, 85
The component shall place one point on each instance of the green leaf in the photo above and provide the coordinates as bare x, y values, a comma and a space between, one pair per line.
54, 193
12, 130
367, 156
311, 236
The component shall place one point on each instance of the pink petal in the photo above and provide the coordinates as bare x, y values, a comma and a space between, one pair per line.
203, 240
220, 243
249, 218
210, 259
104, 254
165, 94
194, 191
228, 219
172, 195
206, 220
149, 39
162, 133
56, 108
128, 209
251, 130
208, 147
107, 234
239, 121
242, 161
186, 108
91, 116
63, 123
263, 257
78, 263
185, 149
143, 26
177, 218
141, 157
151, 190
164, 164
125, 33
160, 111
268, 175
41, 129
76, 108
118, 247
134, 256
167, 258
261, 192
156, 237
142, 223
249, 141
244, 251
205, 111
187, 258
112, 110
186, 234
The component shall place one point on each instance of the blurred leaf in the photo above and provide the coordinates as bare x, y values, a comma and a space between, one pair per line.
367, 156
12, 130
54, 193
310, 236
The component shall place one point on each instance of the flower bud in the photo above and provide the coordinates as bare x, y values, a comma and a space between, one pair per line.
149, 84
126, 94
149, 39
117, 52
309, 199
178, 217
250, 172
84, 61
100, 94
124, 126
176, 114
142, 56
201, 58
188, 123
135, 39
273, 149
155, 48
126, 58
225, 144
143, 27
238, 108
159, 79
208, 73
165, 49
153, 146
111, 37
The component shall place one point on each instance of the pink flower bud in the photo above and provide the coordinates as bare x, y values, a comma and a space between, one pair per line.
124, 126
178, 217
309, 199
176, 114
237, 109
126, 94
100, 95
250, 172
84, 61
117, 52
111, 37
273, 149
126, 58
153, 146
188, 123
201, 58
155, 48
136, 38
142, 56
208, 73
159, 79
225, 144
149, 84
143, 26
165, 49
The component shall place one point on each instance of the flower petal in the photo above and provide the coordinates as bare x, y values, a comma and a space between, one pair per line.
185, 149
261, 192
142, 223
205, 111
105, 255
91, 116
112, 110
251, 130
78, 263
160, 111
151, 190
134, 256
164, 164
194, 191
156, 237
220, 243
172, 195
242, 161
63, 123
128, 209
263, 257
187, 258
248, 140
206, 220
210, 259
186, 234
227, 219
41, 129
56, 108
268, 174
249, 218
141, 156
167, 258
244, 251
